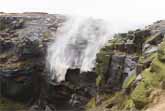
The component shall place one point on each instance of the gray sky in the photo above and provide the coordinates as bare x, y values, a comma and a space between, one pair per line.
129, 13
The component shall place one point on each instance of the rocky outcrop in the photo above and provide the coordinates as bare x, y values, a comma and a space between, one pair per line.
23, 42
24, 77
131, 66
121, 58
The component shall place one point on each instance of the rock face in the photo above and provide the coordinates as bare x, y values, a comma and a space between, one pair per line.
23, 43
24, 39
128, 68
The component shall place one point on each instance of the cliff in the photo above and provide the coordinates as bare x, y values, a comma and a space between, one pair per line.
129, 72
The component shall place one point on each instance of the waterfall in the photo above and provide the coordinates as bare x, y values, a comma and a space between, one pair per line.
76, 44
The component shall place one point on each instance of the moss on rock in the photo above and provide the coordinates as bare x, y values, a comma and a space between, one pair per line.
152, 75
148, 58
127, 83
140, 94
103, 59
91, 103
161, 52
120, 101
151, 78
129, 104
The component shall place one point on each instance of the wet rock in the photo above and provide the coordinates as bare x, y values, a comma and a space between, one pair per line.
83, 85
130, 64
116, 70
73, 76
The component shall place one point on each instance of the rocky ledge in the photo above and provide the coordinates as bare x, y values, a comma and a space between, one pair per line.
129, 69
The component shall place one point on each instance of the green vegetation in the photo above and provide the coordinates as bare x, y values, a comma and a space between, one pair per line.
148, 58
91, 103
102, 65
152, 78
127, 83
120, 101
140, 94
161, 52
129, 104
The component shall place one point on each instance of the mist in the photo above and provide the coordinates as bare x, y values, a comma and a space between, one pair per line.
79, 36
76, 44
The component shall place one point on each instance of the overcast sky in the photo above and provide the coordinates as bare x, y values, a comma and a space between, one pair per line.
126, 12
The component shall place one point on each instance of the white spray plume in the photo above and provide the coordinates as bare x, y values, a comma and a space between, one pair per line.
76, 45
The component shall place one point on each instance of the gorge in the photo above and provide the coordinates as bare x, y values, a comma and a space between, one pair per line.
52, 62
